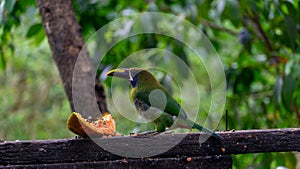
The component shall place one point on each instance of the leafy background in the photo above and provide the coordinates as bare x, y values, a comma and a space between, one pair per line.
257, 40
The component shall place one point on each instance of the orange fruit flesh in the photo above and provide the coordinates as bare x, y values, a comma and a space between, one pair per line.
99, 128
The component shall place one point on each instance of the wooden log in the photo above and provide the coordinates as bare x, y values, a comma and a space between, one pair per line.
214, 162
86, 150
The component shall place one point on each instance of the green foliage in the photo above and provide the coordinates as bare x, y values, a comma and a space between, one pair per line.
265, 160
33, 104
262, 69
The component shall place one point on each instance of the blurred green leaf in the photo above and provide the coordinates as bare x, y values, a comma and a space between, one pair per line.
288, 88
203, 8
243, 81
291, 30
232, 13
290, 160
2, 62
291, 10
178, 50
9, 5
39, 37
34, 29
277, 91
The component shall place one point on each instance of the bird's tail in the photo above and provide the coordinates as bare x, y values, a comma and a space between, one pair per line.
201, 128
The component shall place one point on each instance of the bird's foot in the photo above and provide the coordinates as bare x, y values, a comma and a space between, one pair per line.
145, 133
169, 131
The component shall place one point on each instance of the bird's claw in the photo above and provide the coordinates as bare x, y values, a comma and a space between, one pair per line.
169, 132
145, 133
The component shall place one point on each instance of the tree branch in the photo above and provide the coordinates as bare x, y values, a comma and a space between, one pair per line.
218, 27
255, 20
70, 55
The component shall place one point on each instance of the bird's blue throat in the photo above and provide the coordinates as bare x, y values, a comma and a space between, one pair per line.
134, 81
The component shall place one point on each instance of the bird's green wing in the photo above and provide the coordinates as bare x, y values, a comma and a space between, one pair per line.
171, 108
174, 108
169, 104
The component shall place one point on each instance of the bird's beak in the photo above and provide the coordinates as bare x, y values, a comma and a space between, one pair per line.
120, 73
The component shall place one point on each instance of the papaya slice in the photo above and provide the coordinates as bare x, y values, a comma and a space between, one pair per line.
105, 126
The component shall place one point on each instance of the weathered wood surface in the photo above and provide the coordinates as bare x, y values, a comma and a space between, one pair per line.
85, 150
223, 162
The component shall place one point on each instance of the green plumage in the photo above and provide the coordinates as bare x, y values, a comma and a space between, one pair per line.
147, 93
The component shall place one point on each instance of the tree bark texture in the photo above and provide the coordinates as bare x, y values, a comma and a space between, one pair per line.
85, 93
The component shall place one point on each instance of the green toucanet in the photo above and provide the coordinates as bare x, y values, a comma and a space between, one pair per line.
147, 93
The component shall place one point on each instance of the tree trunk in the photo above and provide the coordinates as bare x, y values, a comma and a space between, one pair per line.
85, 93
